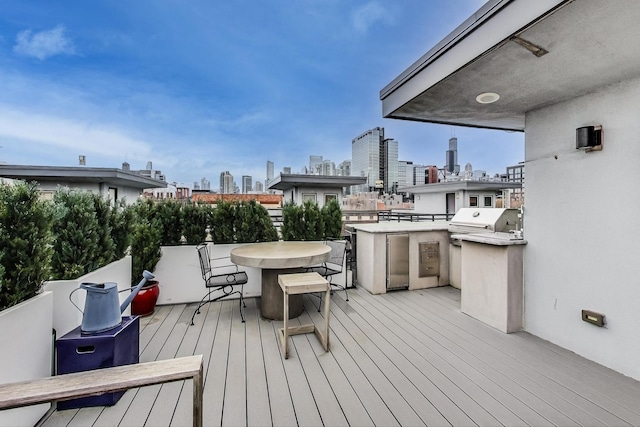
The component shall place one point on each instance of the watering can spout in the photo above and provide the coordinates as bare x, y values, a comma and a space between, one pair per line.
146, 275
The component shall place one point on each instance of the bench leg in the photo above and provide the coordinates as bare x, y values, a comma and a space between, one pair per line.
284, 337
197, 398
327, 300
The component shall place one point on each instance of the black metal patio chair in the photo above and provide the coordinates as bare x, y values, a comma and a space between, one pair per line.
224, 278
333, 265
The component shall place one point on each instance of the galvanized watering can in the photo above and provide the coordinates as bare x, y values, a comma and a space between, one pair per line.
102, 311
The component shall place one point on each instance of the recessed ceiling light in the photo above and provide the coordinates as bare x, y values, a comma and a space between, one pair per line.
487, 98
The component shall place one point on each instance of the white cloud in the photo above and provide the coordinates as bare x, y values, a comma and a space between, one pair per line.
368, 15
44, 44
66, 134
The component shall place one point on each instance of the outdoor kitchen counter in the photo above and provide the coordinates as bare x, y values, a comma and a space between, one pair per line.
401, 227
377, 272
492, 279
497, 239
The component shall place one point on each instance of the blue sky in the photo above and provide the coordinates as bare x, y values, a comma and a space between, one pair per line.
202, 86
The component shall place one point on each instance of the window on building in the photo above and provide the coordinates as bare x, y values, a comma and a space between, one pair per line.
309, 196
473, 201
113, 194
328, 197
488, 201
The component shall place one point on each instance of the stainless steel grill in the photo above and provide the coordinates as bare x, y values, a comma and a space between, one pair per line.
484, 220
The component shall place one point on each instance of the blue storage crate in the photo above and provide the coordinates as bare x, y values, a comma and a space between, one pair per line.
77, 352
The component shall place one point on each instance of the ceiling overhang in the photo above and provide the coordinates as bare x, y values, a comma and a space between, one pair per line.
590, 44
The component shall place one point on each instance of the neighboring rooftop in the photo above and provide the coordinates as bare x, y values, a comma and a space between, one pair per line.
80, 174
450, 186
213, 198
288, 181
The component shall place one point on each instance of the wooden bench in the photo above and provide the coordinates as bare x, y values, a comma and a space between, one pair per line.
297, 284
107, 380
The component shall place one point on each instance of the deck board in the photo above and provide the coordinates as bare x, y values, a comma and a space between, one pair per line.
402, 358
509, 351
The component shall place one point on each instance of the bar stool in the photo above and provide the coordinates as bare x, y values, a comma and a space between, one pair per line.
303, 283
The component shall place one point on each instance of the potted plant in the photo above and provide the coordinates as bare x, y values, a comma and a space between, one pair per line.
146, 240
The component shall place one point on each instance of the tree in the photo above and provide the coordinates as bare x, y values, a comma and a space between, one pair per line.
195, 219
222, 223
332, 216
170, 216
25, 239
313, 222
145, 239
75, 234
292, 222
121, 221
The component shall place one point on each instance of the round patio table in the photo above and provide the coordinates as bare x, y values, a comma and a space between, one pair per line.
276, 258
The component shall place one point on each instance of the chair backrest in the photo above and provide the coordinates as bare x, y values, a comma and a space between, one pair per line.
337, 254
205, 263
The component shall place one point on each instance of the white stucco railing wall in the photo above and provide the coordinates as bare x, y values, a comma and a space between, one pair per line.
180, 278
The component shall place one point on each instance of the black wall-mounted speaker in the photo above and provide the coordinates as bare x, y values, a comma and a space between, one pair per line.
588, 137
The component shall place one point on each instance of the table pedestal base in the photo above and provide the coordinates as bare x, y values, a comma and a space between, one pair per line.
272, 299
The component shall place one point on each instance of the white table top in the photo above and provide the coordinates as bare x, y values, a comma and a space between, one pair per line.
276, 255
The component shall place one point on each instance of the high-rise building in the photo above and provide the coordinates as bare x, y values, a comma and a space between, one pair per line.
269, 170
226, 183
376, 158
315, 165
205, 184
328, 168
365, 158
452, 156
420, 175
344, 168
286, 170
405, 173
247, 184
389, 165
259, 187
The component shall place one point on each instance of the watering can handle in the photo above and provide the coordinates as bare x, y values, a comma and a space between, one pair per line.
71, 301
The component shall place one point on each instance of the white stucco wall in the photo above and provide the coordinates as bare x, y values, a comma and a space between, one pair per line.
582, 226
431, 203
128, 193
435, 203
296, 194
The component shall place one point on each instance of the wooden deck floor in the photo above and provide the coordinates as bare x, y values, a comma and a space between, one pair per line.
405, 358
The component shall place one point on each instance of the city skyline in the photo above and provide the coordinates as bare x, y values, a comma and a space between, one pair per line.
216, 87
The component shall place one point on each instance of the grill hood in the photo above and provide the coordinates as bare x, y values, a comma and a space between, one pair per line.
479, 220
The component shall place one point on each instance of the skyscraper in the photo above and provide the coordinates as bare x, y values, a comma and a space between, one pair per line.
315, 165
269, 170
246, 184
376, 158
389, 164
226, 183
405, 173
452, 156
344, 168
365, 158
